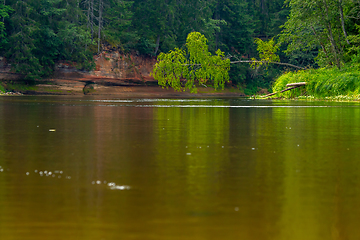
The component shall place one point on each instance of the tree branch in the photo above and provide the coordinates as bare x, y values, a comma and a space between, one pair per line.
279, 63
253, 61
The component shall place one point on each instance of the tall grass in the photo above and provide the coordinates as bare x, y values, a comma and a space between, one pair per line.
321, 83
2, 88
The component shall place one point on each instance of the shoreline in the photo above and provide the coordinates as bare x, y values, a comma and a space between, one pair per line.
111, 88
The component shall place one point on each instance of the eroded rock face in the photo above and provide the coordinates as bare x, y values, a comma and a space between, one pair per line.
123, 66
109, 64
5, 71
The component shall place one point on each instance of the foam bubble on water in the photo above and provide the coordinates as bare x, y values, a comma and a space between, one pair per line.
113, 186
236, 209
120, 188
27, 173
98, 182
188, 154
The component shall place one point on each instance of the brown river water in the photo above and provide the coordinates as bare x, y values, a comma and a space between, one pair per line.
99, 168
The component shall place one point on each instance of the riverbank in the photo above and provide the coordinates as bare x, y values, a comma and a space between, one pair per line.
108, 86
116, 74
322, 84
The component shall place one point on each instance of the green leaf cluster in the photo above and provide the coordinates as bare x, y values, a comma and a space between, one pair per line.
4, 13
267, 52
195, 64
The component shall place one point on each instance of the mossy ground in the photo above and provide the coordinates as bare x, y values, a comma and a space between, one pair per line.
2, 88
17, 87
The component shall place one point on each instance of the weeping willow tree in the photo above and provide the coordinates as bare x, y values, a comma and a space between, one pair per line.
182, 69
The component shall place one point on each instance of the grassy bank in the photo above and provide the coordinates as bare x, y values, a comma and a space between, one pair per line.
2, 88
324, 83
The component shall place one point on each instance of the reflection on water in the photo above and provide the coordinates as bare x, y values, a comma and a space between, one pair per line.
92, 168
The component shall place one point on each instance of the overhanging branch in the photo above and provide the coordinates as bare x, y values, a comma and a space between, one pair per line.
255, 61
279, 63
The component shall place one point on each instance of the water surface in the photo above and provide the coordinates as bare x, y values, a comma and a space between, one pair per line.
178, 169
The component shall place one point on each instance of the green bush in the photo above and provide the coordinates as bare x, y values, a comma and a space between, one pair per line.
2, 88
321, 83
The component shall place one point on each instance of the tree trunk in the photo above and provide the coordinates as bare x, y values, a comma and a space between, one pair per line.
100, 22
3, 19
157, 44
331, 36
321, 44
77, 13
343, 21
263, 7
92, 19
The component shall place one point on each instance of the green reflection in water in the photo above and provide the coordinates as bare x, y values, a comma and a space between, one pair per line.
192, 145
319, 150
261, 173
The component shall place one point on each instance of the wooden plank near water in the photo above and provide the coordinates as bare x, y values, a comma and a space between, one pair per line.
290, 85
296, 84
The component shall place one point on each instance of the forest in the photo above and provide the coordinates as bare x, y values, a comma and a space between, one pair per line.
34, 35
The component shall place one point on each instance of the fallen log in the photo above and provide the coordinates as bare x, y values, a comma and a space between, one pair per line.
290, 85
296, 84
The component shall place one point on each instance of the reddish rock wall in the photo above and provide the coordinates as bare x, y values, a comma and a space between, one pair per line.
123, 66
109, 65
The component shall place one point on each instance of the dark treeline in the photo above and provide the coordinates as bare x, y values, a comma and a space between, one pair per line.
35, 34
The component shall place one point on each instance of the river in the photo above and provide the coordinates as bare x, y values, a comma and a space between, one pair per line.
173, 169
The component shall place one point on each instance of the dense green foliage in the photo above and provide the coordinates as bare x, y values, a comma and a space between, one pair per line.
324, 27
328, 30
197, 63
322, 83
35, 35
